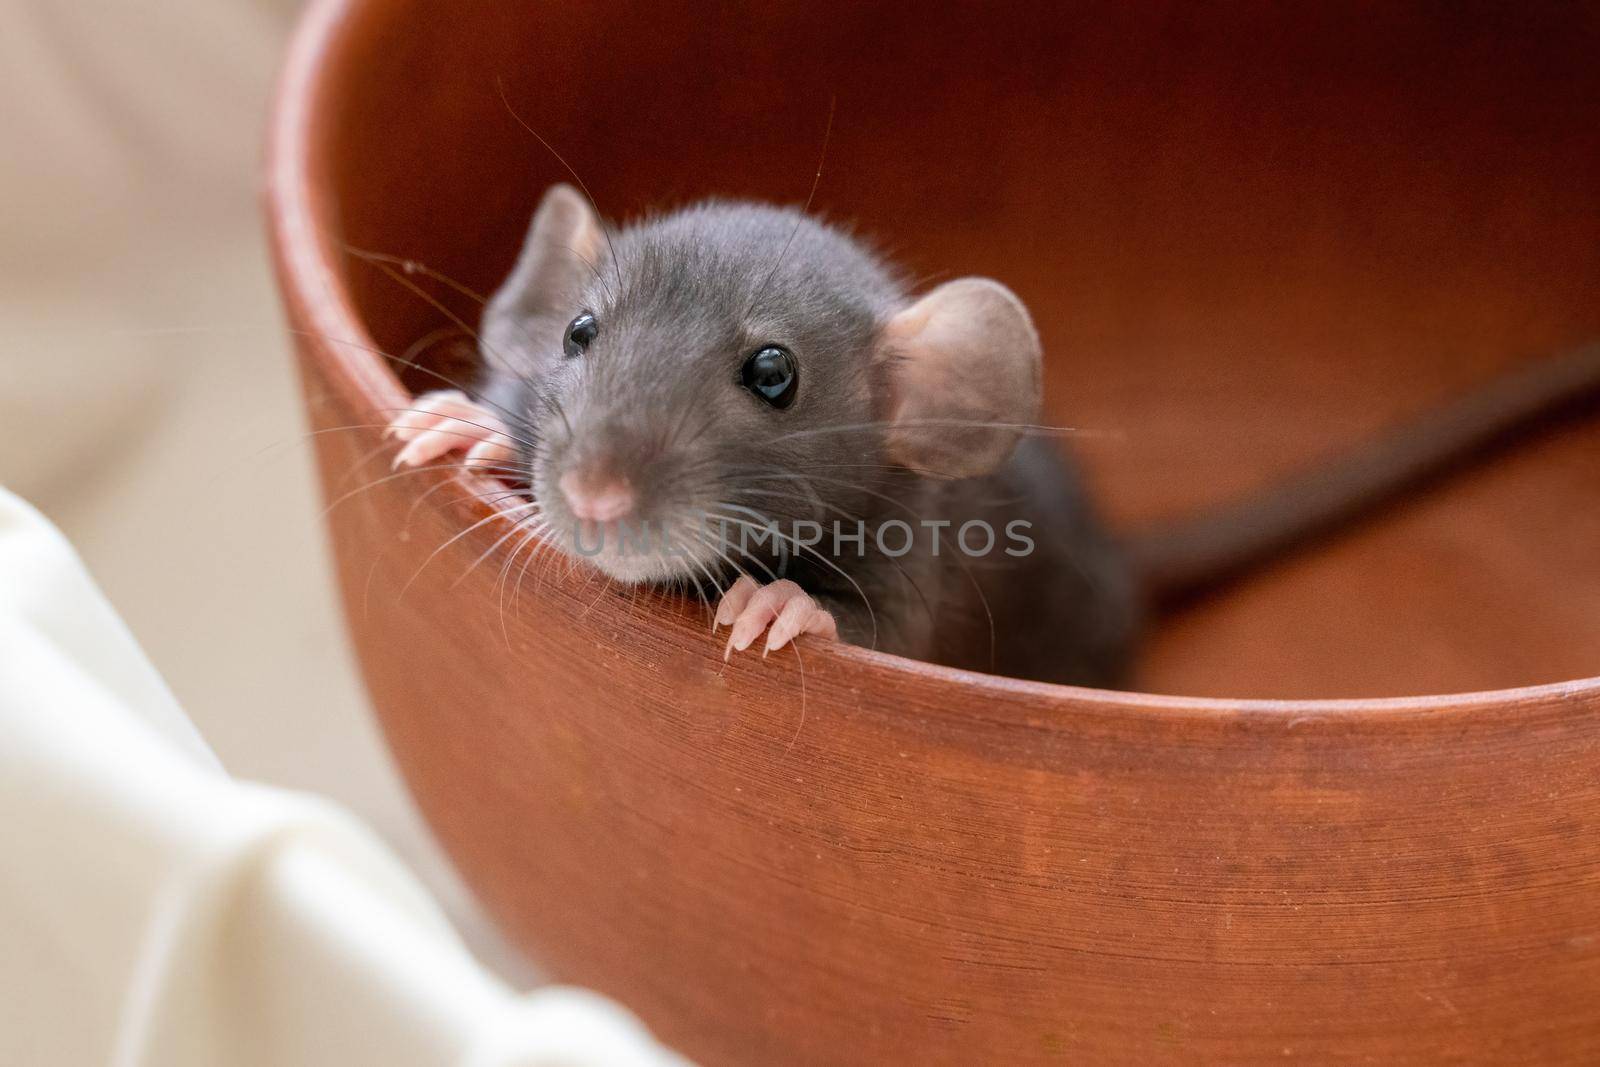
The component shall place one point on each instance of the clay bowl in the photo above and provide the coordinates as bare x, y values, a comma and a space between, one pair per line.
1249, 236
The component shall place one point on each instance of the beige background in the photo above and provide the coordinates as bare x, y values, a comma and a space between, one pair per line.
147, 400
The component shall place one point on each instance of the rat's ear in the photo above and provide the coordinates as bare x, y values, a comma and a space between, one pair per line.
963, 371
562, 248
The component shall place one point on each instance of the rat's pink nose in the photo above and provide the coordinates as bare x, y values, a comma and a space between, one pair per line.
597, 498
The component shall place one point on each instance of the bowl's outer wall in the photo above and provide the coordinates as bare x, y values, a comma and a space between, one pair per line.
853, 860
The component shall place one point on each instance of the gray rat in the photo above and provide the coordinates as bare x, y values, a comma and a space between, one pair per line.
693, 398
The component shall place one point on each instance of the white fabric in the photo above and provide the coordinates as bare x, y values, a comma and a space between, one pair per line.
147, 395
153, 911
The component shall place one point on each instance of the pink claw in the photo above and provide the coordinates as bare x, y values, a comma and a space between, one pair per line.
735, 599
783, 606
800, 616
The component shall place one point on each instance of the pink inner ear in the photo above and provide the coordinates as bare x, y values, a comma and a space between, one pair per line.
572, 223
964, 353
586, 240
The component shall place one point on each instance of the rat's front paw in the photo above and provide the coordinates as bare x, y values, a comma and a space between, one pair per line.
446, 421
783, 606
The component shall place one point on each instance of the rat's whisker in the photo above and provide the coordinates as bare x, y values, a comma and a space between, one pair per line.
604, 229
700, 538
511, 417
792, 476
492, 498
885, 468
438, 305
673, 438
553, 405
699, 590
827, 135
723, 541
1026, 429
801, 546
531, 517
498, 513
492, 431
516, 596
710, 577
604, 589
408, 472
801, 664
605, 285
416, 348
501, 584
778, 494
916, 587
355, 426
411, 266
923, 521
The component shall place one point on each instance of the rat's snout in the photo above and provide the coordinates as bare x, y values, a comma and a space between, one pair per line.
597, 494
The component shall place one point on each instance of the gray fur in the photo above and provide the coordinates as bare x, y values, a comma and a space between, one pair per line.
681, 299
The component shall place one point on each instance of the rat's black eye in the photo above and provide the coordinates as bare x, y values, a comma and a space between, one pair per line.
580, 334
771, 374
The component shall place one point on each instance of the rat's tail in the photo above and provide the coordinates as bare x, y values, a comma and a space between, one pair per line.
1190, 556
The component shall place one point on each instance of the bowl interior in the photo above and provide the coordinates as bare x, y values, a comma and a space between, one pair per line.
1249, 237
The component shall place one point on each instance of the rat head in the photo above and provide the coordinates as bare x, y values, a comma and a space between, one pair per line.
706, 376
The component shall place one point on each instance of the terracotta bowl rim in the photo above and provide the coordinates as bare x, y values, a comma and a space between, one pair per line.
310, 278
